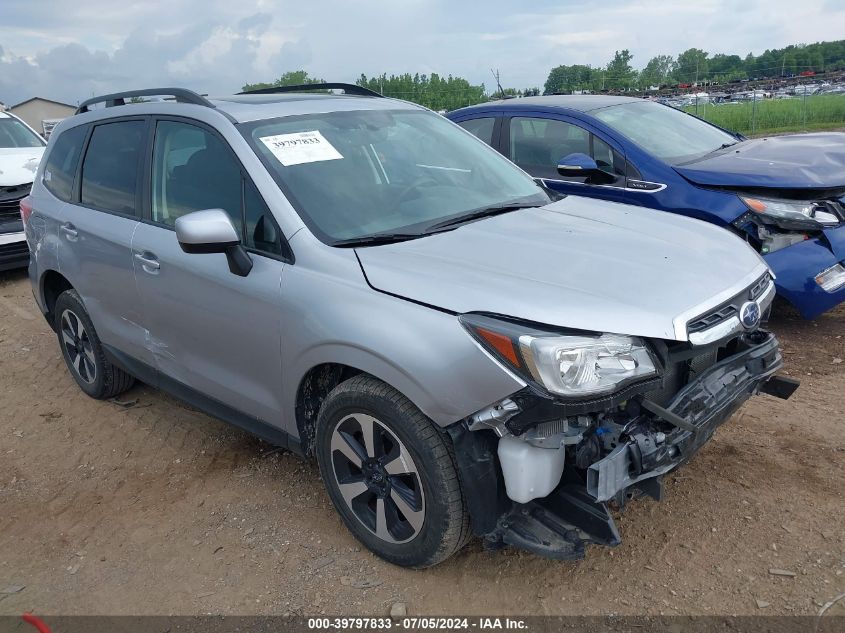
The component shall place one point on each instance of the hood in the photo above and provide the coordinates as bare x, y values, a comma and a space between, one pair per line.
18, 165
578, 263
798, 161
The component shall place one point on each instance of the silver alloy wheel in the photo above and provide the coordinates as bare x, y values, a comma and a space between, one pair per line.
78, 346
377, 478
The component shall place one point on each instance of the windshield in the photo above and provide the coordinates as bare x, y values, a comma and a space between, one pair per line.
13, 133
375, 172
669, 134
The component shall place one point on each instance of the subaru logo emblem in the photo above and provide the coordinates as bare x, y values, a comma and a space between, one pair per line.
749, 315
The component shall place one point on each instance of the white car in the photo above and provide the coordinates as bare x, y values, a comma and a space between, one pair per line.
21, 149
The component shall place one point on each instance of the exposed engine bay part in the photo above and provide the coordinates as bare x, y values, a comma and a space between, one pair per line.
530, 472
532, 464
544, 485
494, 417
694, 414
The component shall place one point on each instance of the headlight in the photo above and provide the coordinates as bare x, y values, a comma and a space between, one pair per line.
569, 365
798, 214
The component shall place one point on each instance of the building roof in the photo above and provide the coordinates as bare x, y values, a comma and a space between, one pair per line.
67, 105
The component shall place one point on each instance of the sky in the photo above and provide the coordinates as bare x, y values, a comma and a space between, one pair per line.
69, 50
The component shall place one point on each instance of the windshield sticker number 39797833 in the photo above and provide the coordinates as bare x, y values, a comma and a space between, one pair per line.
300, 147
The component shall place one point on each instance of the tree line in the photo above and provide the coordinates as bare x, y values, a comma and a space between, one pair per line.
693, 66
433, 91
696, 66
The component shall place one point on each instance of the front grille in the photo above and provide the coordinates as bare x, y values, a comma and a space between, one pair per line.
10, 201
713, 318
759, 287
730, 307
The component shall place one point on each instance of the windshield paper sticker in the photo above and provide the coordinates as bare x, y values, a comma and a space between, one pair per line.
300, 147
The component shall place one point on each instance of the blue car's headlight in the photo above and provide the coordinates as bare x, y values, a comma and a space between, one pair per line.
809, 213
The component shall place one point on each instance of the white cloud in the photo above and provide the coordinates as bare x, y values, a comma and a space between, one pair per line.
67, 50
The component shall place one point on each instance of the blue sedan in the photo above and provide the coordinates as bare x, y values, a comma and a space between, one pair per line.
783, 195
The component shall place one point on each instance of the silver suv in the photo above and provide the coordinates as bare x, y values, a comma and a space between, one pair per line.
355, 278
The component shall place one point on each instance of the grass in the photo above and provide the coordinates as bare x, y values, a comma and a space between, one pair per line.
777, 116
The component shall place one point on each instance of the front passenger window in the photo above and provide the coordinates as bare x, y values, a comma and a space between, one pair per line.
537, 145
193, 170
262, 232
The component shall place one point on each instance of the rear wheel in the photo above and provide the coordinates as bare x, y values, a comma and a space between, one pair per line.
390, 474
83, 352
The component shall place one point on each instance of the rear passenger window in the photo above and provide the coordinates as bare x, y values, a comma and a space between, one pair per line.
110, 168
482, 128
60, 168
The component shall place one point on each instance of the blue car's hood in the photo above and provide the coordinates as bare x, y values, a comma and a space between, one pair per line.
800, 161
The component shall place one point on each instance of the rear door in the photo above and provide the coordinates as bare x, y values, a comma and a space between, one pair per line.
211, 331
96, 228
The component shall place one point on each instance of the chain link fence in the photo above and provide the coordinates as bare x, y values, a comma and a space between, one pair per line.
760, 112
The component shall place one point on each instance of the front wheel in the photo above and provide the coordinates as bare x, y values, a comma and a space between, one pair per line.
390, 474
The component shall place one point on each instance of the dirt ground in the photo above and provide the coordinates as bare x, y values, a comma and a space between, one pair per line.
158, 509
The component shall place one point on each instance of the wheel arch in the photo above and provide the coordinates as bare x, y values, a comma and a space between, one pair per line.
337, 363
52, 284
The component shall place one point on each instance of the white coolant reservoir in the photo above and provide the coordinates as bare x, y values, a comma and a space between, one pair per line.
530, 472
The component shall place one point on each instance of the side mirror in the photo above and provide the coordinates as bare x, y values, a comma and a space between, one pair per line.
211, 231
578, 165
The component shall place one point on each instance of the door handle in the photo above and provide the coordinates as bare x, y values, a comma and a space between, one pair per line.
70, 230
148, 261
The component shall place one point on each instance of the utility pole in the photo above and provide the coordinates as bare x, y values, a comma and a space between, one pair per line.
496, 76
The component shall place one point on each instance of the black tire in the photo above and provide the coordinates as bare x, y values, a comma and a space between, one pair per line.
445, 525
84, 356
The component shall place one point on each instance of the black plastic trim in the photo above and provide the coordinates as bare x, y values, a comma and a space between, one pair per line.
481, 476
182, 95
210, 406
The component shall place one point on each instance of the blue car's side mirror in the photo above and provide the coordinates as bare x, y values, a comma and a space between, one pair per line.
578, 164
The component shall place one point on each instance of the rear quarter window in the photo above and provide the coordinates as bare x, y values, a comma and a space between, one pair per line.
62, 159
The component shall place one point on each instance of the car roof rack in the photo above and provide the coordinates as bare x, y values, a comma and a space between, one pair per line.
350, 89
181, 95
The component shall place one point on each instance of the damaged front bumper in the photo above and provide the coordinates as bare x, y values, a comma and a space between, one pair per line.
695, 412
655, 440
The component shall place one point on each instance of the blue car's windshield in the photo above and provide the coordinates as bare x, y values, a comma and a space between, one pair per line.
669, 134
352, 174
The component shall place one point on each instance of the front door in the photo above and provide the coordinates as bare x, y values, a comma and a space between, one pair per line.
211, 331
